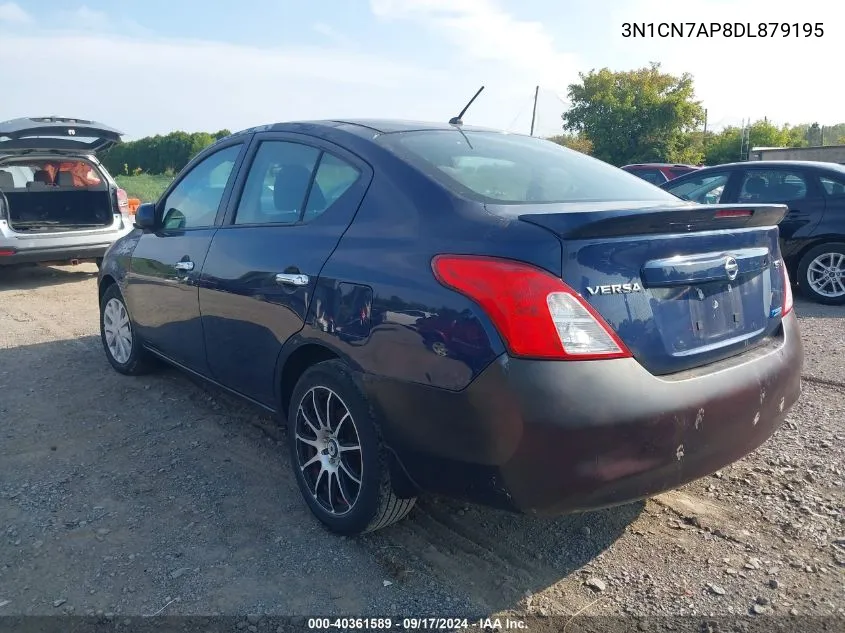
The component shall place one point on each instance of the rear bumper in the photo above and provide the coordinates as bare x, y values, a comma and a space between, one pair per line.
65, 246
555, 437
58, 254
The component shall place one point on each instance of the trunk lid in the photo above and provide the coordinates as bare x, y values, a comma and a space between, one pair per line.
52, 133
682, 285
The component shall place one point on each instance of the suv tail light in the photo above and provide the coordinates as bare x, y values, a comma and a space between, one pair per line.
537, 315
122, 200
787, 291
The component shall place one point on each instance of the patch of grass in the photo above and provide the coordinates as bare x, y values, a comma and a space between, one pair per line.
145, 187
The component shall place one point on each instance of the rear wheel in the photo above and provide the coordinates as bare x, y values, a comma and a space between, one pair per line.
122, 346
821, 274
338, 458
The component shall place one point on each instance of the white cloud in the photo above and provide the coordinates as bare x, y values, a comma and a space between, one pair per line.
144, 86
332, 34
11, 12
484, 32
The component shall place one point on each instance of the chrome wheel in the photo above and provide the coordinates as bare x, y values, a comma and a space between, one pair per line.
117, 330
826, 275
328, 450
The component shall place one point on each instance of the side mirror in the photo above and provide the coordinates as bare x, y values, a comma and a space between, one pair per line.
145, 216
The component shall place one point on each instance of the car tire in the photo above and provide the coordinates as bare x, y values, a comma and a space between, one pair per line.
99, 262
348, 489
820, 260
117, 333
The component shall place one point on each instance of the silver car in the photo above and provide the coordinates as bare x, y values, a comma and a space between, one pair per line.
58, 204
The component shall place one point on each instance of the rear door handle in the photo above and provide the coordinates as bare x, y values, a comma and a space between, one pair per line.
189, 265
292, 279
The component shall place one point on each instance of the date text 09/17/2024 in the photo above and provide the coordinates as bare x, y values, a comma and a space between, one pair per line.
722, 29
416, 624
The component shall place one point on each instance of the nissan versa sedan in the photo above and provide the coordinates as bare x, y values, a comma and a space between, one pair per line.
579, 339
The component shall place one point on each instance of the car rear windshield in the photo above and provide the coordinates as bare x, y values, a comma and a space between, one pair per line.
504, 168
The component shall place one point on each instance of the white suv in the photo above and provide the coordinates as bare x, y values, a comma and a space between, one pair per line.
58, 204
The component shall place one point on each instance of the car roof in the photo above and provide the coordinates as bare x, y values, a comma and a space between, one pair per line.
661, 165
365, 127
817, 164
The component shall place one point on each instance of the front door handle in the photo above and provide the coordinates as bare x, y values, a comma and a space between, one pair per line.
292, 279
189, 265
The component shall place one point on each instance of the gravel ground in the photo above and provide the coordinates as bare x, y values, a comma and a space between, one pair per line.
158, 494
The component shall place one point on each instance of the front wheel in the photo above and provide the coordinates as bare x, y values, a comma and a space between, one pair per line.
338, 458
122, 346
821, 274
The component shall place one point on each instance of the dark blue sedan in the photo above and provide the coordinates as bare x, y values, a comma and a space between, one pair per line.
442, 308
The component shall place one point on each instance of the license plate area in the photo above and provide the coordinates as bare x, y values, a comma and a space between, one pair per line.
699, 317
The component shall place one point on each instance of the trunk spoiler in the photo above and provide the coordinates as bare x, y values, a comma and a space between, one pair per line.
581, 221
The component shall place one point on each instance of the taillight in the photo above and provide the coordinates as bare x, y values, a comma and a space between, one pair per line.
122, 200
733, 213
787, 290
537, 315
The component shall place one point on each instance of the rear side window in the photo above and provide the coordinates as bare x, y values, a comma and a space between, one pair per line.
654, 176
703, 189
832, 185
769, 185
509, 169
289, 182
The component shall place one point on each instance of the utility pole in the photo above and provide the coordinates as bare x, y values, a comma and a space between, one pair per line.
822, 143
534, 111
704, 137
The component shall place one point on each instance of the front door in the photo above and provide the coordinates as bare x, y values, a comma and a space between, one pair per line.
298, 197
162, 291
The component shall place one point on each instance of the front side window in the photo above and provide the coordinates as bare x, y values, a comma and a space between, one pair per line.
703, 189
195, 200
511, 169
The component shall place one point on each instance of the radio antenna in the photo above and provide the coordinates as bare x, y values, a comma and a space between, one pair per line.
459, 120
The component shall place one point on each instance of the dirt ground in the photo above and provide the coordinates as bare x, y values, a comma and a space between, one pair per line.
158, 494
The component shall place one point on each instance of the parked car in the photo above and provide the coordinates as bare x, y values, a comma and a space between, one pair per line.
615, 341
58, 204
658, 173
813, 231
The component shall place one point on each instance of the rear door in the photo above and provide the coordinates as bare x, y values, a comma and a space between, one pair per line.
792, 186
56, 133
260, 277
162, 291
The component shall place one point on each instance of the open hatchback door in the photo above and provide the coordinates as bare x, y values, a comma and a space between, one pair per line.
52, 133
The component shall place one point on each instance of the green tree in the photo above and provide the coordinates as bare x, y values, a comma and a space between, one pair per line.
726, 146
578, 142
641, 115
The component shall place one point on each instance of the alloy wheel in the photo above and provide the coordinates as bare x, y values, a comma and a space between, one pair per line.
826, 275
328, 450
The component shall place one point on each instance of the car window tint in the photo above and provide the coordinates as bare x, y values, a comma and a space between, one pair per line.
770, 185
502, 168
704, 189
196, 198
654, 176
334, 177
277, 183
833, 186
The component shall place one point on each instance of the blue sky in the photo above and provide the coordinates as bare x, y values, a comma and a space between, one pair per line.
152, 66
